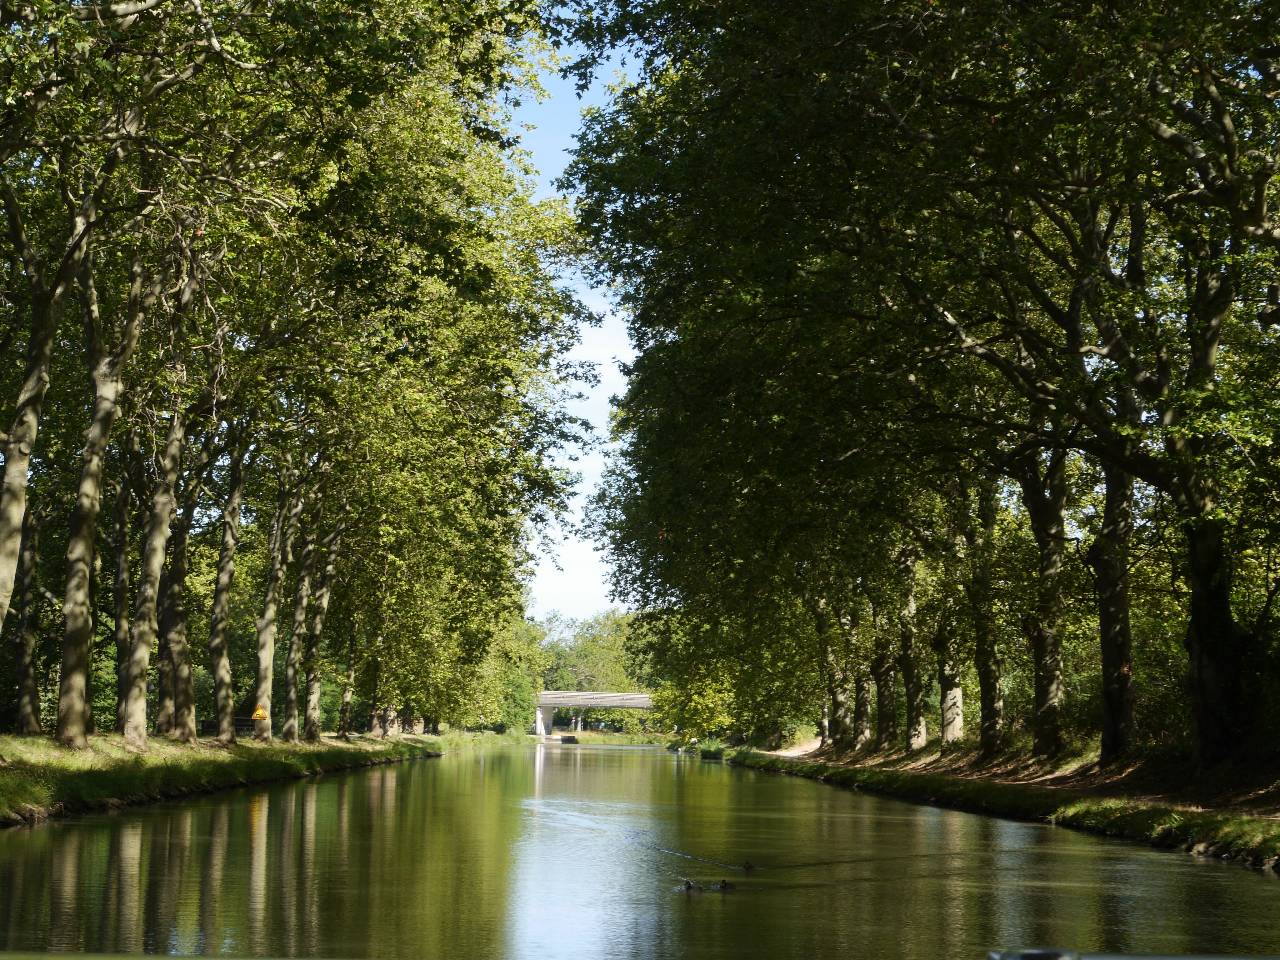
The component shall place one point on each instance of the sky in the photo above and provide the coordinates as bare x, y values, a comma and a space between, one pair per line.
570, 576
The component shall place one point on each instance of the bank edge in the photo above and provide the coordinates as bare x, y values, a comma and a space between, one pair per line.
31, 791
1252, 841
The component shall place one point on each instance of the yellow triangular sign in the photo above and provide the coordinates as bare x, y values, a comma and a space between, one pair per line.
260, 713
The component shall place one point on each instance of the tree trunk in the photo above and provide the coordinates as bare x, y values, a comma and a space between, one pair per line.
1218, 649
839, 721
908, 661
21, 442
375, 696
283, 531
839, 729
914, 689
302, 596
951, 694
173, 612
77, 608
173, 626
121, 598
107, 374
1108, 555
220, 611
28, 630
348, 689
980, 594
319, 608
164, 672
144, 627
1044, 494
46, 290
885, 681
861, 708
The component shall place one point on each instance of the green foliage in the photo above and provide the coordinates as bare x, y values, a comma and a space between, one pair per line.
306, 243
907, 301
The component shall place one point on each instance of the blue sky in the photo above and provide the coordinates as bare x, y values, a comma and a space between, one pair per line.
570, 577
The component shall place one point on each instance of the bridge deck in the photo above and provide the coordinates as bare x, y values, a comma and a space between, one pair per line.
590, 698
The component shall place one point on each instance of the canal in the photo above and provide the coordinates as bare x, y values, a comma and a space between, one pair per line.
578, 851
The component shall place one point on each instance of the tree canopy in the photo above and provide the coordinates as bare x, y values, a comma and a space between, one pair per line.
276, 287
957, 362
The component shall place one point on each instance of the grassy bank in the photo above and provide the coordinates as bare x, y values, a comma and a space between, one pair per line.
1249, 839
40, 779
616, 739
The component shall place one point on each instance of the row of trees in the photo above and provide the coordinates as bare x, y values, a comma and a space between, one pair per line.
282, 352
958, 367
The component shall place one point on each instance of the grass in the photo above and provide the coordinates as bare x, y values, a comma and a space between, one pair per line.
40, 779
452, 739
619, 739
1250, 839
470, 739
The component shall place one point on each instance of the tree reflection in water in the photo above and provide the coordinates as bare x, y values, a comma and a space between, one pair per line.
576, 852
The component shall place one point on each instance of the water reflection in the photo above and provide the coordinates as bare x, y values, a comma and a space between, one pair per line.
554, 851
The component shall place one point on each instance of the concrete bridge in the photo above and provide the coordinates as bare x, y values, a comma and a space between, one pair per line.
551, 700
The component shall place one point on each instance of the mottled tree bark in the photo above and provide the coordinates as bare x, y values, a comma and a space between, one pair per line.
165, 710
884, 679
909, 658
1044, 495
120, 599
47, 288
28, 629
1217, 647
980, 597
21, 442
1221, 654
348, 689
302, 596
950, 692
173, 612
838, 710
861, 708
173, 625
107, 373
143, 630
77, 609
319, 609
283, 530
220, 611
375, 696
839, 728
1108, 555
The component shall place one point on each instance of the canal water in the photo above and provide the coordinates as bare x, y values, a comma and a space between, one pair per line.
553, 851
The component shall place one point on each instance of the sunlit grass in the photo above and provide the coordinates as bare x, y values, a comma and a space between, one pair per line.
40, 778
619, 739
